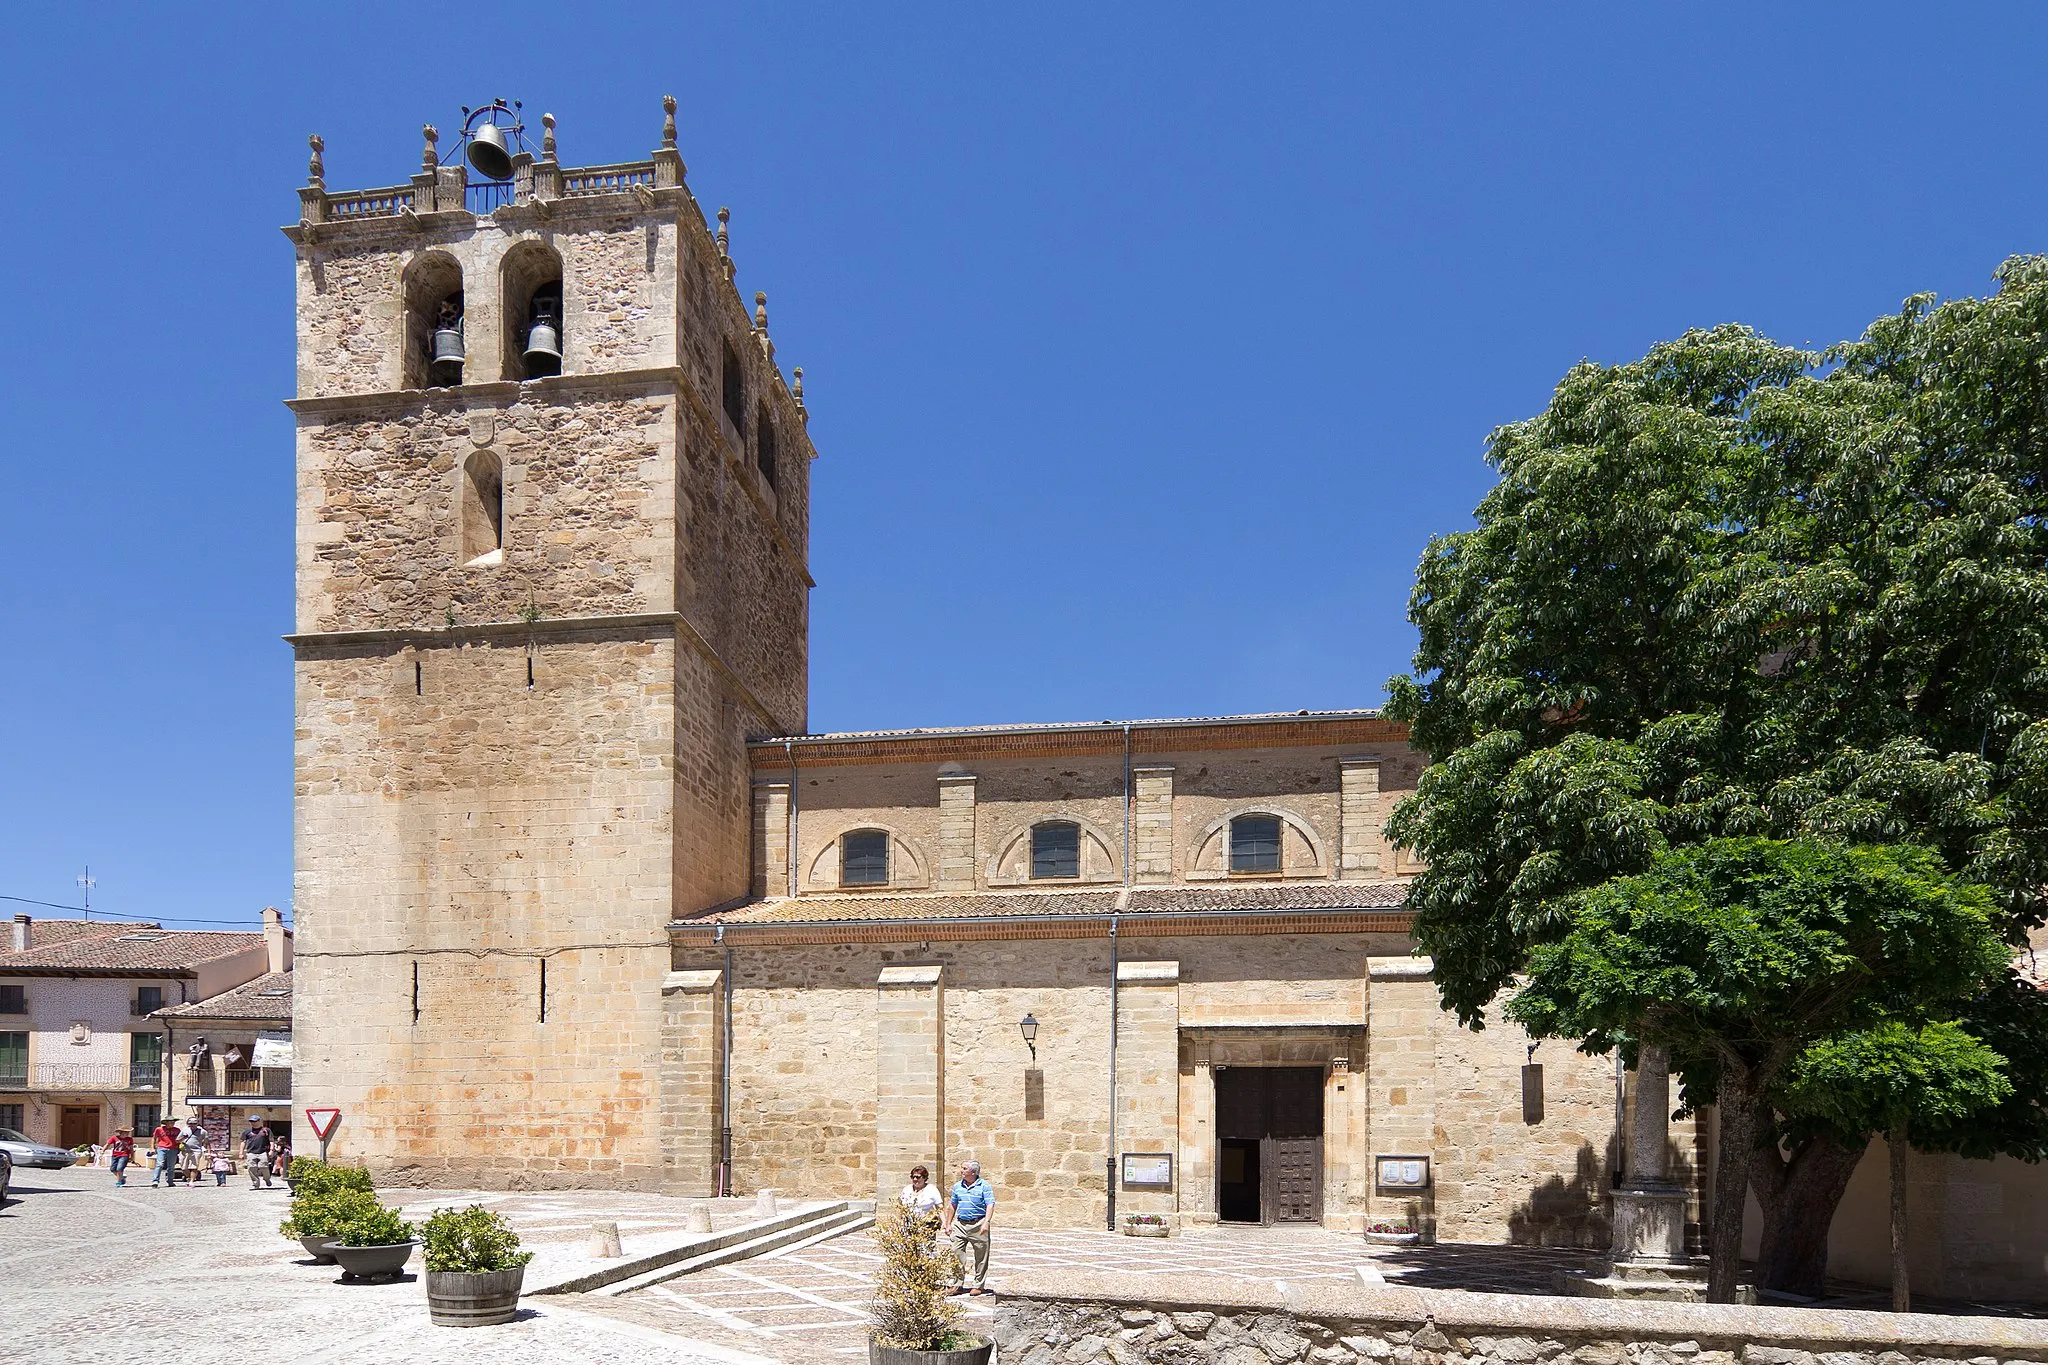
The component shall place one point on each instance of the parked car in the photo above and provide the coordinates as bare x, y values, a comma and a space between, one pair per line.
25, 1152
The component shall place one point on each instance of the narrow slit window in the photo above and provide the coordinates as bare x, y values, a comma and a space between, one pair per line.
543, 990
1255, 843
1055, 850
764, 445
483, 510
735, 392
415, 992
419, 679
864, 858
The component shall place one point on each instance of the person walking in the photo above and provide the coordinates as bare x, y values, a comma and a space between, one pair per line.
922, 1198
222, 1168
163, 1155
256, 1144
121, 1151
190, 1153
970, 1218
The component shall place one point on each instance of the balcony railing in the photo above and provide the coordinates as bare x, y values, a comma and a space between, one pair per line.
92, 1076
270, 1082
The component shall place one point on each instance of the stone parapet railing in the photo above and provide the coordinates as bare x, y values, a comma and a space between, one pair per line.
1079, 1317
448, 188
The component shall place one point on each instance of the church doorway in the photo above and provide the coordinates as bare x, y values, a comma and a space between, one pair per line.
1269, 1130
78, 1125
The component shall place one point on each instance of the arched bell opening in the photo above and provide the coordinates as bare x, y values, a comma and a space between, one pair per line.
435, 348
534, 315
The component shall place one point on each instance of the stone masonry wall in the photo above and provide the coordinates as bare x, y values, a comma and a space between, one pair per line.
1083, 1318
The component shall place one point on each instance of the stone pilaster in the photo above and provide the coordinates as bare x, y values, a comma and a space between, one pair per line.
910, 1075
1401, 1017
1147, 1074
692, 1067
956, 832
1362, 852
1152, 824
771, 839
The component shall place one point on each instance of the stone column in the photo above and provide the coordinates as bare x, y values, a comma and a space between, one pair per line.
956, 832
1360, 820
910, 1075
771, 839
1649, 1211
692, 1068
1196, 1173
1152, 824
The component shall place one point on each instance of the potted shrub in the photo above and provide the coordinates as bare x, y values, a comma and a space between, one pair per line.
317, 1212
372, 1241
1394, 1234
474, 1267
912, 1322
1145, 1225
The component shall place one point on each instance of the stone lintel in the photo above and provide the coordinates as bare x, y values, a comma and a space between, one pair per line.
922, 975
693, 982
1148, 971
1400, 968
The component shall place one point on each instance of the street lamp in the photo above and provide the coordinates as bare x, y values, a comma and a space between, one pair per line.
1028, 1026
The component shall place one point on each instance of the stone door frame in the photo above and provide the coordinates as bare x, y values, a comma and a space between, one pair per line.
1339, 1049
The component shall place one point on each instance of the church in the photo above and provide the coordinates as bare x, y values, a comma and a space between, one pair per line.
581, 901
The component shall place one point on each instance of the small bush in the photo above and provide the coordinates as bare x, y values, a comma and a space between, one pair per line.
371, 1225
324, 1212
472, 1240
910, 1310
311, 1175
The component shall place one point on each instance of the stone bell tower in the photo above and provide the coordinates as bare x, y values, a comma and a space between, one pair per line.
553, 523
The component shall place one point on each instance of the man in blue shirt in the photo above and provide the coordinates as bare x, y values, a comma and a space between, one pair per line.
970, 1214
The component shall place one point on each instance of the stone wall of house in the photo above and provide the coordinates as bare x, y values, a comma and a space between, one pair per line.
826, 1038
1082, 1318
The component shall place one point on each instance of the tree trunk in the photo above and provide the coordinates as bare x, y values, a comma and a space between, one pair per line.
1799, 1198
1902, 1292
1737, 1105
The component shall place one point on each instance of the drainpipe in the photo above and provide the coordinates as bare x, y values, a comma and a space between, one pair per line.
1620, 1115
1110, 1160
789, 855
724, 1178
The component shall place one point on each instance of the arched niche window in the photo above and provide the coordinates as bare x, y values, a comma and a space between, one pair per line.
435, 348
532, 280
1255, 843
483, 510
1055, 851
764, 444
864, 858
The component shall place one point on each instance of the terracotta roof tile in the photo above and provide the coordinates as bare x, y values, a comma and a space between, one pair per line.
1055, 726
268, 997
142, 949
1272, 896
48, 933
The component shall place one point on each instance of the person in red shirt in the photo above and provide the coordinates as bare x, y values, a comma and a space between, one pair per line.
164, 1160
121, 1151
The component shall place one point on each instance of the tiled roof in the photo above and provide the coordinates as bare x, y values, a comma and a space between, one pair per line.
268, 997
47, 933
141, 950
945, 730
1179, 900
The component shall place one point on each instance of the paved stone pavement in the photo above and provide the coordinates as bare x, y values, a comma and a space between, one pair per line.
89, 1273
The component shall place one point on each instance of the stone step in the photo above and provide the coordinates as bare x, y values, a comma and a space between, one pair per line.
798, 1222
760, 1239
853, 1222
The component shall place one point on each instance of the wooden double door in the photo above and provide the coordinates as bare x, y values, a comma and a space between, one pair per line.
1269, 1133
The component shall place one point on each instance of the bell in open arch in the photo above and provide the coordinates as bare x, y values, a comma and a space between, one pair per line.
543, 356
487, 152
448, 350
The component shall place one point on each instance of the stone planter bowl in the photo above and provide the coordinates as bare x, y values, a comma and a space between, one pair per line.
1394, 1239
371, 1263
878, 1354
316, 1247
466, 1298
1146, 1230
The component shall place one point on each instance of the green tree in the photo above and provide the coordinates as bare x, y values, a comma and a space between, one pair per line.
1735, 589
1744, 955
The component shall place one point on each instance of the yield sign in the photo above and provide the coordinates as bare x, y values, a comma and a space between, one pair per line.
323, 1121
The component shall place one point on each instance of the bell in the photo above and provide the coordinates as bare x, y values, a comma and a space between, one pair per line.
448, 354
487, 152
543, 349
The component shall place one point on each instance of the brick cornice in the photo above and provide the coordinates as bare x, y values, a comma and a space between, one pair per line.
1129, 926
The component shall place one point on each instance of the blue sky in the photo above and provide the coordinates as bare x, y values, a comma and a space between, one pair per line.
1145, 345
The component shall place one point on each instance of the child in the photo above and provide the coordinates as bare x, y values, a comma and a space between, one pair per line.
222, 1168
121, 1151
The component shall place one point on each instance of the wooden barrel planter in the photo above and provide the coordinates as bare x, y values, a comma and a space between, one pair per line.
878, 1354
461, 1298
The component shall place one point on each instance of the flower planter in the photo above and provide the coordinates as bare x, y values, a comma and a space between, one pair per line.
1146, 1230
464, 1298
1394, 1239
371, 1263
316, 1247
878, 1354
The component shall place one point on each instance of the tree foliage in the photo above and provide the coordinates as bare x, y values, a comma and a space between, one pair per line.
1735, 590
